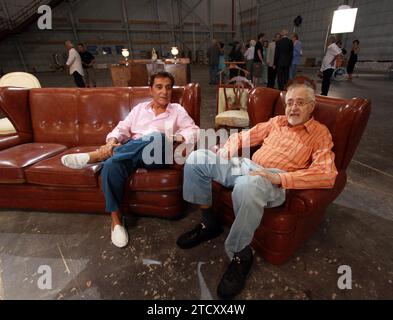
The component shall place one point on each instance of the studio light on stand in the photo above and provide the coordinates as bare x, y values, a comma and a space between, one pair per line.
125, 53
344, 19
175, 52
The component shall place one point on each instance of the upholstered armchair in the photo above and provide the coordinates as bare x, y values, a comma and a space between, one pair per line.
284, 229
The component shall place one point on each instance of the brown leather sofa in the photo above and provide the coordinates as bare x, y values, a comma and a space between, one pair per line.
284, 229
53, 122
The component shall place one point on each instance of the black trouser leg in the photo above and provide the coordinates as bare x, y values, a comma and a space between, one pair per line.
327, 75
271, 77
78, 80
282, 77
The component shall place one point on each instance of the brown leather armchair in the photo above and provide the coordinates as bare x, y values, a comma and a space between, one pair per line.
51, 122
284, 229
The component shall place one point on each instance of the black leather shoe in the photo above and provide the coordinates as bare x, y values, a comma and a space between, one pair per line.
197, 235
234, 279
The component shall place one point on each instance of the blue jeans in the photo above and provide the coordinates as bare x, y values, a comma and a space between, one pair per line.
125, 160
213, 74
250, 195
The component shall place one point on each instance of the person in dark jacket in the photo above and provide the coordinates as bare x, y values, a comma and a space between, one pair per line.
259, 59
213, 54
283, 59
236, 55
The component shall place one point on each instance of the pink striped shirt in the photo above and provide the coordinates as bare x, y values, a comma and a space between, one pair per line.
142, 120
304, 151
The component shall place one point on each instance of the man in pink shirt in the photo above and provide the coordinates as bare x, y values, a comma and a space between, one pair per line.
156, 124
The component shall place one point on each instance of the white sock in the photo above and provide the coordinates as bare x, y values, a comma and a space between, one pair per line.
75, 160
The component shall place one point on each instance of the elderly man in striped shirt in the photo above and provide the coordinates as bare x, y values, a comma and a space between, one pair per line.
295, 153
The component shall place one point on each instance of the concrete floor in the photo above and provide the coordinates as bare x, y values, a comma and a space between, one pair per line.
357, 232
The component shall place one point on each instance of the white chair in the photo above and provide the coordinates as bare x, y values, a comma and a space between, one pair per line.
16, 79
19, 79
232, 99
6, 127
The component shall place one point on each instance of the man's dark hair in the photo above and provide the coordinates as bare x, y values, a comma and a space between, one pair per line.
162, 74
261, 35
358, 42
81, 44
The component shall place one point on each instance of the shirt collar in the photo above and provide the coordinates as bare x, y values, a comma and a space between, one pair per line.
309, 125
149, 106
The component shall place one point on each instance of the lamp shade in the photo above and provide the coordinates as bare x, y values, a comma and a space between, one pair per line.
174, 51
125, 53
344, 20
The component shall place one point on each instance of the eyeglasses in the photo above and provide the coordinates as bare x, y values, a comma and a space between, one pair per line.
299, 103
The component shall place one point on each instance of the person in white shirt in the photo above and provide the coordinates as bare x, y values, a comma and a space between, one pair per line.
333, 51
249, 57
74, 63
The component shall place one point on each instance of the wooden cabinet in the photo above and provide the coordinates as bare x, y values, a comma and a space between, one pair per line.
120, 76
138, 73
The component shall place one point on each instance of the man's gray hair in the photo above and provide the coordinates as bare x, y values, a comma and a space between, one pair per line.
331, 39
284, 32
310, 91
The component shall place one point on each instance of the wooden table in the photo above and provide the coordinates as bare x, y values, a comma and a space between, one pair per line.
137, 72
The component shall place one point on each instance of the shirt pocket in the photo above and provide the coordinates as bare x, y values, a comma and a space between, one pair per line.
301, 152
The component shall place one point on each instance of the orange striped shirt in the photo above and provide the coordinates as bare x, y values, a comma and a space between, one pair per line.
304, 151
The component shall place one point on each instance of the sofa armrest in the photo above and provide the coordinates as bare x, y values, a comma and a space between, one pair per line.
12, 140
180, 153
191, 101
304, 202
14, 104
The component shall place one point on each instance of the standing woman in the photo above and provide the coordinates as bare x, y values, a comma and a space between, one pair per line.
237, 56
353, 58
297, 53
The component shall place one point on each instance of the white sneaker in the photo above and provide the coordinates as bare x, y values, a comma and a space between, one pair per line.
119, 236
75, 160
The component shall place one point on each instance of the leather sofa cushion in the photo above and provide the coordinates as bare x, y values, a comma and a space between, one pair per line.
51, 172
77, 117
13, 161
156, 180
161, 199
233, 118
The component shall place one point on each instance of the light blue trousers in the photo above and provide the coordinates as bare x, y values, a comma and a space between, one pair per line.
292, 71
250, 195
